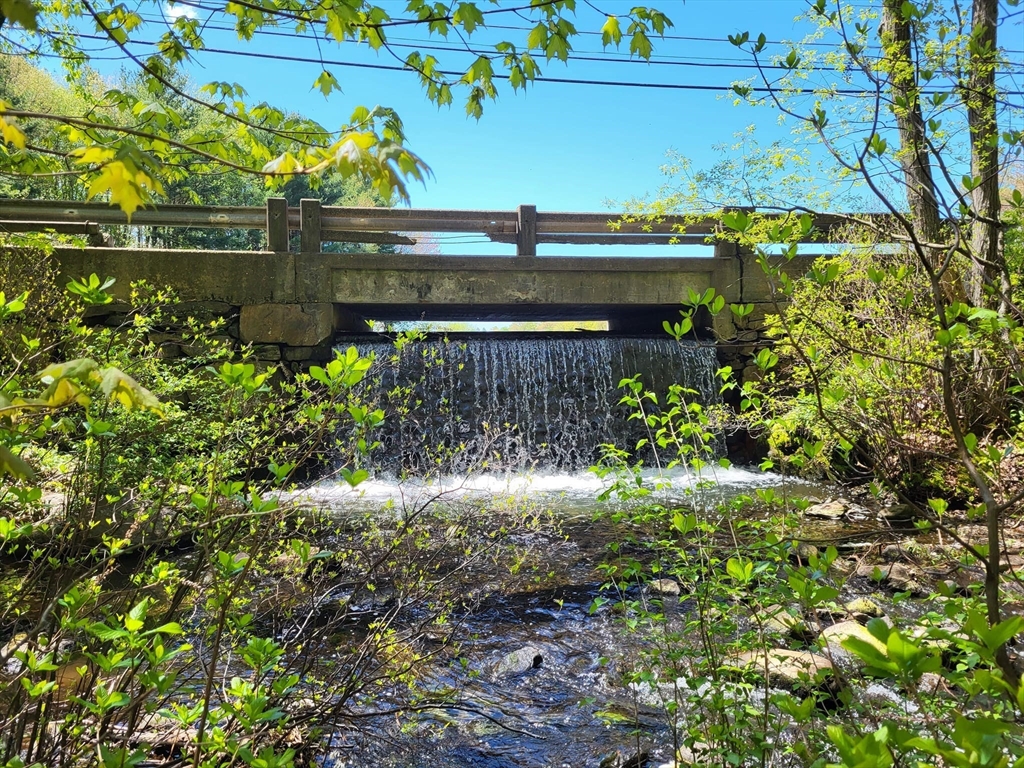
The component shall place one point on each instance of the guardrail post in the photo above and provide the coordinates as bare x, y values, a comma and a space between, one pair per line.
309, 213
95, 235
277, 224
526, 236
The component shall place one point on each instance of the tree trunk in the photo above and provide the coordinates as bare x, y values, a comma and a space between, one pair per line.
987, 268
914, 155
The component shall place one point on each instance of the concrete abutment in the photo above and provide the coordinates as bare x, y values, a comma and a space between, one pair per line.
292, 307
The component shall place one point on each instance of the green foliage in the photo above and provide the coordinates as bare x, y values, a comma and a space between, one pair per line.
32, 89
745, 587
171, 592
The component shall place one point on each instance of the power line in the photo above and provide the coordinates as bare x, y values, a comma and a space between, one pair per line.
862, 93
514, 28
751, 68
591, 56
571, 81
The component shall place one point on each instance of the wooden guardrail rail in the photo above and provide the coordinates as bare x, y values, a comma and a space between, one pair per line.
525, 227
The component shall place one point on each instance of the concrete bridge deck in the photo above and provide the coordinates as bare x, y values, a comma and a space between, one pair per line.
300, 297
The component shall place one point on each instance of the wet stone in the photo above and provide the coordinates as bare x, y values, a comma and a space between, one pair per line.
897, 512
833, 638
829, 510
863, 610
663, 587
898, 576
803, 552
892, 553
519, 661
794, 669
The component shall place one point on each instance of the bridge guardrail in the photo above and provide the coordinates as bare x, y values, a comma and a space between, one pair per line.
524, 227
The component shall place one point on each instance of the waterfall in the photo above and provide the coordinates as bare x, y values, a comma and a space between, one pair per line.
517, 403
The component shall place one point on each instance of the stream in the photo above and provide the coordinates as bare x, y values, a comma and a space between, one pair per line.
550, 712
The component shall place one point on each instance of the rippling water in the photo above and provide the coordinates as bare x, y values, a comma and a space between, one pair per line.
567, 491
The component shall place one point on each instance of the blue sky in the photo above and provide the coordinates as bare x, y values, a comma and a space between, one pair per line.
558, 146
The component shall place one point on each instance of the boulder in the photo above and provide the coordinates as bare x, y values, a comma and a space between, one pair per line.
863, 610
833, 637
663, 587
519, 661
791, 669
829, 510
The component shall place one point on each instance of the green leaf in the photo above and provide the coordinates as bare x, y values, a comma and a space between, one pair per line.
20, 12
119, 386
326, 83
469, 16
13, 465
736, 220
640, 45
106, 633
739, 569
354, 478
611, 32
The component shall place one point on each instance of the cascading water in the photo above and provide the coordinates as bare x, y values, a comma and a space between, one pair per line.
519, 403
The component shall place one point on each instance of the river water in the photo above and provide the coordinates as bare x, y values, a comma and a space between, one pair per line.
573, 709
554, 401
572, 494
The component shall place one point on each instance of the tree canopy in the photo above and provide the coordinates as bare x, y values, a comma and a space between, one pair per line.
127, 143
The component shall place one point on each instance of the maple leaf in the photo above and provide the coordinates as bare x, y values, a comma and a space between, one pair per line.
327, 83
611, 33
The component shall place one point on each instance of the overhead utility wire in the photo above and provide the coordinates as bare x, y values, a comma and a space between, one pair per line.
543, 78
692, 39
689, 38
594, 56
567, 80
478, 52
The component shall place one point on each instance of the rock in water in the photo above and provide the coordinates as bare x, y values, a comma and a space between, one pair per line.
829, 510
834, 636
897, 512
863, 610
517, 662
898, 576
793, 669
663, 587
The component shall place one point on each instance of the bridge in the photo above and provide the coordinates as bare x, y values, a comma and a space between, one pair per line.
298, 292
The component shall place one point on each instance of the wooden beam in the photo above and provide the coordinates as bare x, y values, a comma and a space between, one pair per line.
277, 224
610, 238
90, 229
526, 236
309, 212
335, 223
195, 216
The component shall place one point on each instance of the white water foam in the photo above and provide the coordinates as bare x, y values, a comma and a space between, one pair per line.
568, 490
